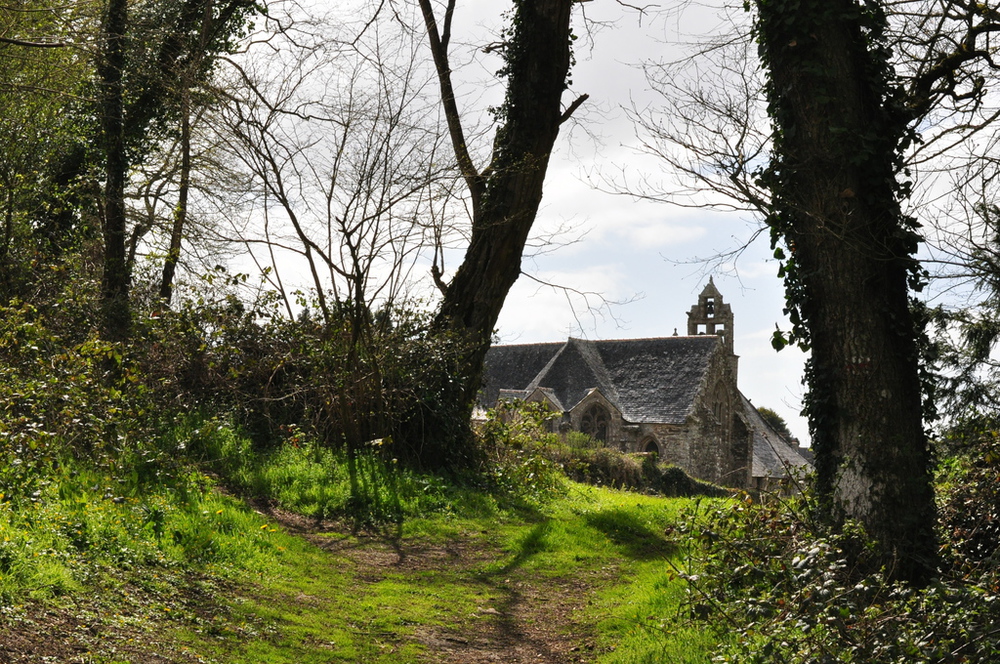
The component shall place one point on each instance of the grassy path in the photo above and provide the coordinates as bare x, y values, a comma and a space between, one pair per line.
461, 598
587, 580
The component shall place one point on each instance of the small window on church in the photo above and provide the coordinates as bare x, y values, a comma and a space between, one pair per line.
595, 423
702, 328
710, 307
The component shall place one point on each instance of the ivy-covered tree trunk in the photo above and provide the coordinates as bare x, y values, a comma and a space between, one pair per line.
505, 195
836, 206
114, 287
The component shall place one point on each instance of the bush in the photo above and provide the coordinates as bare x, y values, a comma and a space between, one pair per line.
520, 426
352, 378
59, 398
970, 504
790, 591
673, 481
600, 466
515, 439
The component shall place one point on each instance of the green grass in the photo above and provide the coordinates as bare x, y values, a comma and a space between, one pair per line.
320, 605
215, 581
313, 607
76, 527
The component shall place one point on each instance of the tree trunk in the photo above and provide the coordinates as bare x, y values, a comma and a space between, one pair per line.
114, 288
506, 197
188, 75
181, 212
836, 204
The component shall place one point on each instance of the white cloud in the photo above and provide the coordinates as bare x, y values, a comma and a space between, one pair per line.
569, 302
659, 234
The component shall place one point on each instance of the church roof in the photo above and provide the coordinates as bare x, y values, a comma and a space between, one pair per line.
648, 380
773, 456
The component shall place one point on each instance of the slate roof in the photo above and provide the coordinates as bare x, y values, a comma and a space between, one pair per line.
513, 368
773, 456
648, 380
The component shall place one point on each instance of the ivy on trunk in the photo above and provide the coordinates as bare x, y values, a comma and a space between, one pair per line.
834, 176
506, 194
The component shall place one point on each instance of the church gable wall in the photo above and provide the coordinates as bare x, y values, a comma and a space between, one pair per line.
720, 449
594, 415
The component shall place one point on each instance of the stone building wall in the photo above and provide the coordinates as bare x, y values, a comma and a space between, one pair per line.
714, 444
726, 450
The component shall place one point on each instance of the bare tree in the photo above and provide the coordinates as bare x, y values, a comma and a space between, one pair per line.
183, 195
345, 150
342, 147
505, 194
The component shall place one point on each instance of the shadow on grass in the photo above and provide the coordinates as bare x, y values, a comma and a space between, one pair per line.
636, 538
533, 544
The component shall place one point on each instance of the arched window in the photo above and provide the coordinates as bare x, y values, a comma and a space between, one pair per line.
650, 447
595, 423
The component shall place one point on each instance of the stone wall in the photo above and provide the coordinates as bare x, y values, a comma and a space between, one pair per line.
714, 443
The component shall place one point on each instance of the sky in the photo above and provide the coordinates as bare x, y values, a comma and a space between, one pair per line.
647, 257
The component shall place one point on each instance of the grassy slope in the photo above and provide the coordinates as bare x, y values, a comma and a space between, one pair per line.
102, 566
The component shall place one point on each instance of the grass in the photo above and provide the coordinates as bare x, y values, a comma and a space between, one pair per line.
347, 598
74, 529
187, 570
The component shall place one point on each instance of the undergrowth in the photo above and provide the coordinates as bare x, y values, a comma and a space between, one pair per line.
518, 435
791, 590
303, 476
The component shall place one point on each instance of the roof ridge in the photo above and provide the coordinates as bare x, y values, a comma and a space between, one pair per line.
590, 354
536, 381
666, 338
601, 341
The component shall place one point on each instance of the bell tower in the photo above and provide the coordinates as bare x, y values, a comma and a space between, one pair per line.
712, 316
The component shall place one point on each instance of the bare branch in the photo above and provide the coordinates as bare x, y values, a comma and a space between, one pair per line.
32, 44
438, 47
572, 107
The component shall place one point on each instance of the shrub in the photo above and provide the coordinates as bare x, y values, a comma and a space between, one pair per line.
673, 481
349, 379
59, 397
600, 466
515, 437
580, 440
520, 426
790, 591
970, 504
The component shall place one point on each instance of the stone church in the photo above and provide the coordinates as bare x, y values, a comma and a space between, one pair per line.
676, 396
